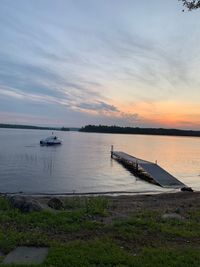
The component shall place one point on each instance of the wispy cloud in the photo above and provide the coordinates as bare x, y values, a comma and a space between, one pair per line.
67, 57
98, 106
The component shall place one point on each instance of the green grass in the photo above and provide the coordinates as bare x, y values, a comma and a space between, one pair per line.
37, 228
91, 206
11, 238
91, 253
78, 236
107, 253
97, 206
4, 204
74, 203
169, 257
151, 223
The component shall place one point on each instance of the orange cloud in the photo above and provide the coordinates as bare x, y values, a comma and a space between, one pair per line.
168, 114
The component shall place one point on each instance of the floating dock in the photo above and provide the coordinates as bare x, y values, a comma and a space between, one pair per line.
149, 171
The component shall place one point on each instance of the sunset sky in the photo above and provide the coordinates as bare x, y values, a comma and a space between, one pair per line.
77, 62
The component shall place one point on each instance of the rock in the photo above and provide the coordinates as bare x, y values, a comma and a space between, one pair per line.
1, 254
55, 203
172, 216
178, 210
23, 256
188, 189
25, 204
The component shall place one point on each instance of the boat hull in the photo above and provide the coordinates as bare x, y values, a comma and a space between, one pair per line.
42, 143
50, 141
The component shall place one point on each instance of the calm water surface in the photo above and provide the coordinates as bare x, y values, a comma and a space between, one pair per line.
83, 164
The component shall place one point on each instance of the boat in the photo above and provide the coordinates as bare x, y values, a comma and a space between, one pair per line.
51, 140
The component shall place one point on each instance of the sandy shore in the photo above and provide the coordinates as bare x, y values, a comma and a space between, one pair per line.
165, 202
124, 205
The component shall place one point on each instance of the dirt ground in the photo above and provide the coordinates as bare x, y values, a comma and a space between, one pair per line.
179, 202
124, 205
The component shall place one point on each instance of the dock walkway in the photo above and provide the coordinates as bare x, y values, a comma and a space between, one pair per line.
152, 170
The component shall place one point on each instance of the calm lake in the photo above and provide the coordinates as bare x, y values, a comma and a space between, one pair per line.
83, 164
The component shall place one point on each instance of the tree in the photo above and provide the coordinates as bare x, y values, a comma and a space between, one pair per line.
192, 4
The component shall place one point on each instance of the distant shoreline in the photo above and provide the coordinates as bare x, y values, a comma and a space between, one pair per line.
31, 127
110, 130
140, 131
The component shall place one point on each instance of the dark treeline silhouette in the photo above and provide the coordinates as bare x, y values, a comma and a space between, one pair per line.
18, 126
137, 130
64, 129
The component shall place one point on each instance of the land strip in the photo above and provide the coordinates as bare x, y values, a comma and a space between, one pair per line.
138, 130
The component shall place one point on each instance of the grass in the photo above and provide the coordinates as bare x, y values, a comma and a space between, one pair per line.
90, 253
91, 206
79, 235
152, 223
107, 253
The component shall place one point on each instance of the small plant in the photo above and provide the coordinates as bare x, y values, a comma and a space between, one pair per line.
97, 206
4, 204
74, 203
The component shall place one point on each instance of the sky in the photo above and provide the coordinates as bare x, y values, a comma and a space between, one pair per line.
112, 62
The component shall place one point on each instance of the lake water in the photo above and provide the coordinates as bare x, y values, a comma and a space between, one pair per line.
83, 164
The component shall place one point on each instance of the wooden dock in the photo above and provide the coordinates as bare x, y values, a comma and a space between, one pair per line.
149, 171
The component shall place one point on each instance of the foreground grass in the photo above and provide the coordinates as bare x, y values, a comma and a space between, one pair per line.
84, 233
106, 253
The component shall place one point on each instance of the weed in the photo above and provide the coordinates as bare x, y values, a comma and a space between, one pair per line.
97, 206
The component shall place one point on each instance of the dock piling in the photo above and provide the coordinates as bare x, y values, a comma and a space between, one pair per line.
111, 151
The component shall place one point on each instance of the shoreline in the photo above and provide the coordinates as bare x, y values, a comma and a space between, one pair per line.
30, 127
80, 194
129, 203
139, 130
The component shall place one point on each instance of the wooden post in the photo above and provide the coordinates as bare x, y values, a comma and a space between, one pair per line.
111, 151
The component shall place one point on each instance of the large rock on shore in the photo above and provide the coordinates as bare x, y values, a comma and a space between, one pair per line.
25, 204
55, 203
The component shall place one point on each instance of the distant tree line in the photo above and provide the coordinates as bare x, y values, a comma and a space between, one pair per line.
64, 129
137, 130
18, 126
